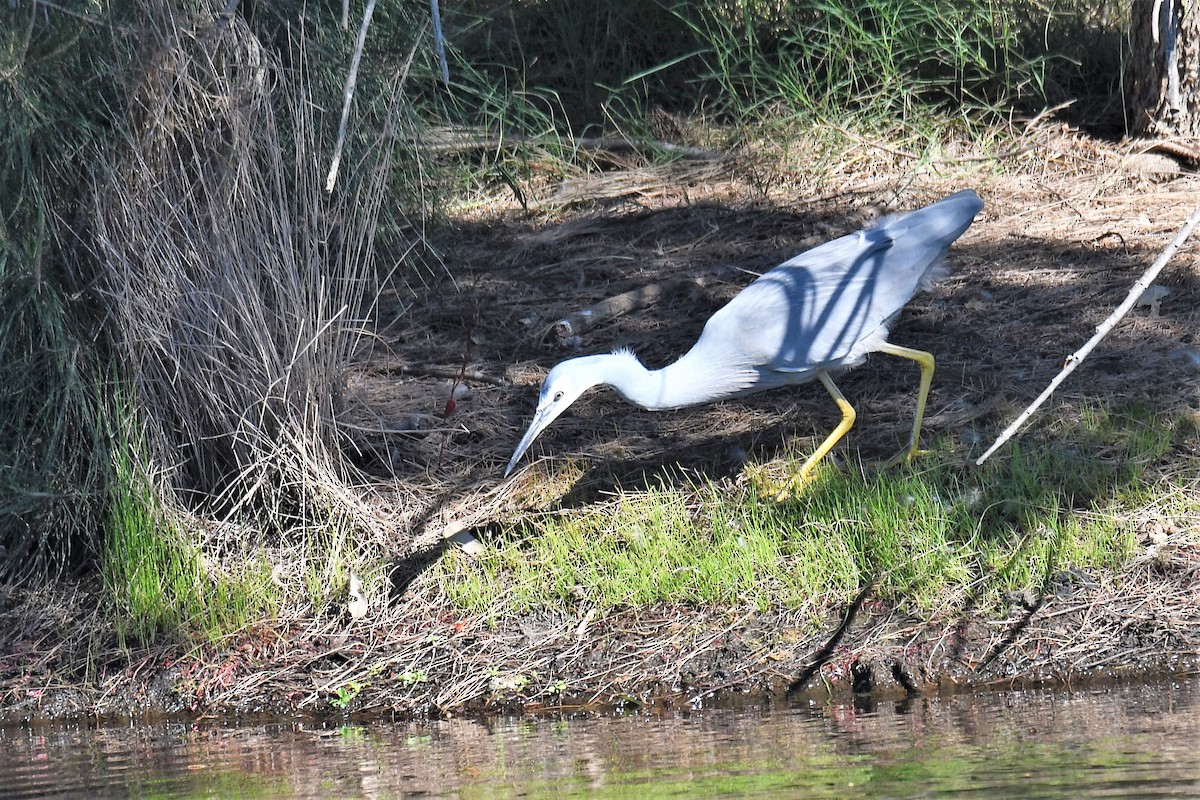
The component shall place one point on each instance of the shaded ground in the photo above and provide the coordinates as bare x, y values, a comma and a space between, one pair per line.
1069, 225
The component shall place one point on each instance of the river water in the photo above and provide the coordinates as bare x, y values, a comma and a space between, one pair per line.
1128, 741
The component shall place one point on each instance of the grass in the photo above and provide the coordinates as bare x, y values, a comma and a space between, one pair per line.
933, 537
888, 58
235, 331
745, 60
54, 112
169, 233
155, 573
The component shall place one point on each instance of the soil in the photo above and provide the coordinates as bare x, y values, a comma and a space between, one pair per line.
1070, 224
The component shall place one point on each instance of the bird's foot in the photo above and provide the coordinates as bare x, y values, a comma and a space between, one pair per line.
905, 456
795, 484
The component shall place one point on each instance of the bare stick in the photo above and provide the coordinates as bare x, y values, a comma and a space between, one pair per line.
439, 42
351, 80
577, 322
421, 370
465, 140
1076, 358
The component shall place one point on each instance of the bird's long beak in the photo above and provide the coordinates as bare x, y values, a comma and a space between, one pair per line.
541, 419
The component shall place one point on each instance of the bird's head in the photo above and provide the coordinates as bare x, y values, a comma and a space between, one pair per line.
560, 389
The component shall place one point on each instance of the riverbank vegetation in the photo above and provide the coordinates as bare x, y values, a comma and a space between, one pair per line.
933, 539
249, 396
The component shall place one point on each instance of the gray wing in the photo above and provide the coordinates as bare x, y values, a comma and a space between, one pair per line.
829, 306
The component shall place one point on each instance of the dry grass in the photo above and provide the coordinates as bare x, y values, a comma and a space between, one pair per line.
234, 289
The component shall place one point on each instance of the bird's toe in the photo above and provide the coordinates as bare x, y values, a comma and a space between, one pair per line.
905, 456
797, 483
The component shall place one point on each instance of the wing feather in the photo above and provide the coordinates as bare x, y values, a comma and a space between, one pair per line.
831, 305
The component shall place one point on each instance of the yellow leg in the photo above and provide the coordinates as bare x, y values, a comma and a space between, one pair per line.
925, 361
848, 417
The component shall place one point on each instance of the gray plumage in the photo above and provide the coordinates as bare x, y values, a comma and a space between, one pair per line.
818, 313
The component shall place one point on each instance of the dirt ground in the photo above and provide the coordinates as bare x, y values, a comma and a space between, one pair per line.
1069, 225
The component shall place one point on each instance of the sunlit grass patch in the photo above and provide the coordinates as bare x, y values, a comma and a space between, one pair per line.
155, 573
931, 537
892, 57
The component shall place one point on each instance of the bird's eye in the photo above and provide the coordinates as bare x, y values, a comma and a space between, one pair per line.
558, 396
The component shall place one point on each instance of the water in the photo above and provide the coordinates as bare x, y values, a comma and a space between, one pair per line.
1141, 741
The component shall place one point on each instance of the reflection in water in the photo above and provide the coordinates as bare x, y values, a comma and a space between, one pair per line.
1123, 742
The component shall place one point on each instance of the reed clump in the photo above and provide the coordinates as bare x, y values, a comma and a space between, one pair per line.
233, 289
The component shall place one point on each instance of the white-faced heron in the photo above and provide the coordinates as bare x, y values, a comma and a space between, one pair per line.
818, 313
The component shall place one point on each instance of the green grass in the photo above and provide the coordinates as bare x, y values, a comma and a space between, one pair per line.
932, 537
889, 58
745, 60
154, 572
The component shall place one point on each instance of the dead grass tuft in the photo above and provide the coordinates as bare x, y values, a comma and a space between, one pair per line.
234, 290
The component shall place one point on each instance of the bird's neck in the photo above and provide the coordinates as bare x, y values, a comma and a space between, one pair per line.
676, 386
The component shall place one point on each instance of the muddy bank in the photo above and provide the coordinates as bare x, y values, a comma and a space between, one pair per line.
423, 660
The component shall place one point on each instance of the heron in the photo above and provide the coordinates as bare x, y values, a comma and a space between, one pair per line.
812, 316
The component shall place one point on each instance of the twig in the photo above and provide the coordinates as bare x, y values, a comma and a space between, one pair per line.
351, 80
613, 144
941, 160
1076, 358
1037, 118
424, 371
439, 42
91, 19
227, 13
1019, 151
381, 430
459, 141
826, 652
577, 322
893, 150
451, 403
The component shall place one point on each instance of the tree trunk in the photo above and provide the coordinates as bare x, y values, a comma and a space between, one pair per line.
1163, 76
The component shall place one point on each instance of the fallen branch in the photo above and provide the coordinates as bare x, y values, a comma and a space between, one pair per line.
1076, 358
577, 322
462, 140
427, 371
615, 144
